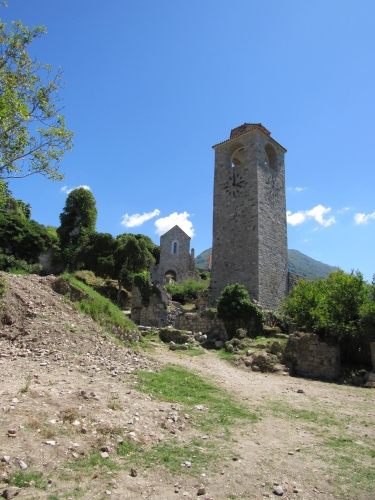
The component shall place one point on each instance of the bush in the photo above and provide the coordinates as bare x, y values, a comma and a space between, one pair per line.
340, 308
10, 264
237, 311
188, 292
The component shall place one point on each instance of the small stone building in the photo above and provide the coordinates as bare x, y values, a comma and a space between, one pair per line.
176, 261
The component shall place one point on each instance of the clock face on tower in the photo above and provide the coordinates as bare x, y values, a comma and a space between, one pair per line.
234, 184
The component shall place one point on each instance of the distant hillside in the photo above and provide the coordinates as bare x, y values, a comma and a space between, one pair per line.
297, 263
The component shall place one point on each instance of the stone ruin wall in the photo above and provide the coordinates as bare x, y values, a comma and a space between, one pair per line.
155, 314
204, 322
310, 357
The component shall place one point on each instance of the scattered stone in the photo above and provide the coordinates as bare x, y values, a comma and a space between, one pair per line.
105, 448
297, 449
187, 464
300, 391
12, 433
76, 423
201, 491
22, 465
295, 490
133, 472
50, 443
234, 459
104, 454
6, 459
10, 493
278, 491
290, 453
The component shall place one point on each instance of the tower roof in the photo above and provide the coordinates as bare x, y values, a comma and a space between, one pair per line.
245, 129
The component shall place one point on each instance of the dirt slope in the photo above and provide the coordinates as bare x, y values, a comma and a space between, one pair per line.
69, 391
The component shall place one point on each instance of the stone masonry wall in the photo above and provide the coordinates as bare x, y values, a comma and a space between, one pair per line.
155, 314
249, 222
312, 358
204, 322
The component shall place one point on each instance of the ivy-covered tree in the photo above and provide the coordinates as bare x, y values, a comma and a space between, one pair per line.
33, 136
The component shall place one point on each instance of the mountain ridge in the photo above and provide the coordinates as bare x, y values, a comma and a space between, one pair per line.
298, 263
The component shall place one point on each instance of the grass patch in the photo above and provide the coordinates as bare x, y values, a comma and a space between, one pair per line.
22, 479
223, 354
87, 463
176, 384
102, 310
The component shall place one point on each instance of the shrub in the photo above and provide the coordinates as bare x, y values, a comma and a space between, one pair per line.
10, 264
340, 308
237, 311
187, 292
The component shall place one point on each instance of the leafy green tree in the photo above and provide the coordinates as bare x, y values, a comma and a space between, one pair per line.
22, 238
132, 256
340, 308
237, 311
98, 253
78, 217
33, 136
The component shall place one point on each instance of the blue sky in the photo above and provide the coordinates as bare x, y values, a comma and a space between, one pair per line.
151, 86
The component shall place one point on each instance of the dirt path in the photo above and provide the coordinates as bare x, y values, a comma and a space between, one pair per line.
69, 390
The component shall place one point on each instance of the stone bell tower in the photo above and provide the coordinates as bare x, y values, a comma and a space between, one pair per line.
249, 216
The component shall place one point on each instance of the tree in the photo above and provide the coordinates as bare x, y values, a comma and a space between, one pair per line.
78, 216
33, 137
77, 224
22, 238
340, 308
237, 311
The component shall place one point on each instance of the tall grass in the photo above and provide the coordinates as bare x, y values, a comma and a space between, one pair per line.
101, 309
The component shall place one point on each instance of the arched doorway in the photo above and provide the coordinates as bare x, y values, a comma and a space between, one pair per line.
170, 276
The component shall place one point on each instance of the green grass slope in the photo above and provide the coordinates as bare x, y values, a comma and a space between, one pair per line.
298, 263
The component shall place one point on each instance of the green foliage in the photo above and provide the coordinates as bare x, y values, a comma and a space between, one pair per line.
142, 282
186, 292
12, 265
79, 215
237, 311
23, 239
23, 478
340, 307
77, 223
101, 309
33, 136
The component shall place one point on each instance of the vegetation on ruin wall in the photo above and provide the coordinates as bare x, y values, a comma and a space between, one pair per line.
237, 311
187, 292
340, 308
143, 283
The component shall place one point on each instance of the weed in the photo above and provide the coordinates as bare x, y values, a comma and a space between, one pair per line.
69, 415
226, 355
22, 479
87, 463
113, 404
26, 387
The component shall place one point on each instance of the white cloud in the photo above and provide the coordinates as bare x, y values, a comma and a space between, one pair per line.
138, 219
67, 190
342, 211
316, 213
166, 223
363, 218
300, 189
